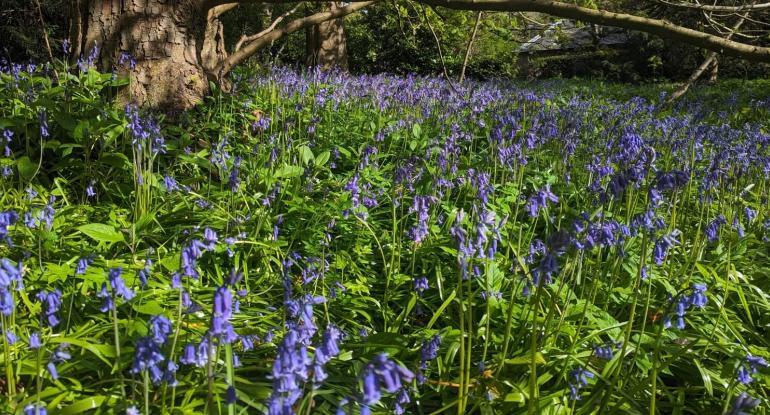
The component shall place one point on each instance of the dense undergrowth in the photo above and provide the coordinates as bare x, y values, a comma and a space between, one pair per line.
321, 243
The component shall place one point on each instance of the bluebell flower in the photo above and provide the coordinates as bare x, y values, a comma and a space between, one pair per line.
429, 351
743, 405
35, 409
160, 327
90, 191
662, 245
83, 264
59, 355
210, 239
43, 119
46, 215
118, 285
29, 220
10, 337
34, 341
7, 218
697, 299
104, 294
579, 379
420, 285
230, 395
51, 302
712, 230
540, 200
420, 205
750, 214
132, 410
148, 356
750, 366
170, 183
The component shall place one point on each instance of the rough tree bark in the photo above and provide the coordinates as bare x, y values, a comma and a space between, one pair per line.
163, 36
327, 44
175, 58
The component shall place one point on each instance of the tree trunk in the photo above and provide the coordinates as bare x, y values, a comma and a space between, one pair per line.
163, 36
327, 44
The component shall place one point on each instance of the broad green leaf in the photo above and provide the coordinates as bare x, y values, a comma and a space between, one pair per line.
288, 171
26, 167
101, 232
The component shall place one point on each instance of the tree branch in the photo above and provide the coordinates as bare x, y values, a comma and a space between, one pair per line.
253, 47
711, 59
270, 28
717, 8
470, 45
654, 26
658, 27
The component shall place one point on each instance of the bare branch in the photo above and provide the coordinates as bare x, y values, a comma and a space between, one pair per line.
253, 47
470, 45
658, 27
245, 39
711, 60
217, 11
717, 8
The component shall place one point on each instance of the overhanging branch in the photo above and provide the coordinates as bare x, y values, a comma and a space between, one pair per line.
717, 8
253, 47
658, 27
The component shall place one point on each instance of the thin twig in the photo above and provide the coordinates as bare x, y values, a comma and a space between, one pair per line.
470, 45
269, 29
440, 53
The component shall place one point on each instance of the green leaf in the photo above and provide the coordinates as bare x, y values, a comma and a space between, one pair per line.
526, 360
150, 308
26, 167
322, 158
514, 397
101, 232
288, 171
306, 155
82, 406
416, 131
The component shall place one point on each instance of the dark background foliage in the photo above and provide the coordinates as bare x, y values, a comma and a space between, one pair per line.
395, 37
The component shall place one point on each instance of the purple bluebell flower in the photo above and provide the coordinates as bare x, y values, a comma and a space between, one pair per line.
104, 294
579, 379
429, 351
118, 285
712, 230
29, 220
743, 405
420, 205
160, 327
420, 285
83, 264
43, 119
34, 341
148, 356
90, 191
35, 409
46, 214
540, 200
750, 366
230, 395
170, 183
662, 245
127, 59
59, 355
51, 302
